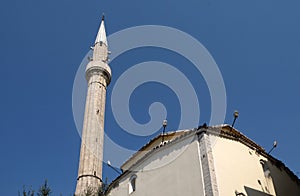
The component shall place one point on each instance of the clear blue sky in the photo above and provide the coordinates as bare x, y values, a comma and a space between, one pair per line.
255, 43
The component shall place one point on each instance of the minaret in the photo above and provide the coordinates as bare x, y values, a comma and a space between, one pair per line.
98, 75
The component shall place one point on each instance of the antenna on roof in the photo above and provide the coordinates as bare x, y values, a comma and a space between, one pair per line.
235, 116
109, 165
165, 123
274, 146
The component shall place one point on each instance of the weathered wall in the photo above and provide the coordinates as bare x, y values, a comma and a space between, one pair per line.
232, 167
240, 168
180, 174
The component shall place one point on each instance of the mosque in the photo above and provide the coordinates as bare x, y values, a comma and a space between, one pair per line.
205, 161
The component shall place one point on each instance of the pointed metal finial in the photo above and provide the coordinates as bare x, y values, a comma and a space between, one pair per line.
101, 36
103, 16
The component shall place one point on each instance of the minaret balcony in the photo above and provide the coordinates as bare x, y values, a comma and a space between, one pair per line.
98, 68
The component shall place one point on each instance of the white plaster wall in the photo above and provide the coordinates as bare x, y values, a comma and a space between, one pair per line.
237, 166
179, 175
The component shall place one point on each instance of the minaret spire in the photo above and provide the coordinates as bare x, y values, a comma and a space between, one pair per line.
98, 75
101, 36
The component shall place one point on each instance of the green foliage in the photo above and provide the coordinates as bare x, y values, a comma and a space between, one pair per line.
30, 192
102, 189
89, 191
100, 192
44, 190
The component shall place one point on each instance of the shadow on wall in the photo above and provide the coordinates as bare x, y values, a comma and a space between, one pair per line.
284, 181
253, 192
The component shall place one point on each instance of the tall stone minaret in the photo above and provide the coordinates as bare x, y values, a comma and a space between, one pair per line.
98, 75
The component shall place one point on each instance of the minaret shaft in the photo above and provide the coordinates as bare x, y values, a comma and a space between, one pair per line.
98, 76
100, 51
91, 153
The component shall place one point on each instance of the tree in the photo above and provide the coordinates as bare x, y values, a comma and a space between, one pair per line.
30, 192
44, 190
89, 191
103, 188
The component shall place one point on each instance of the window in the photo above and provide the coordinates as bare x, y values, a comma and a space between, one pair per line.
132, 183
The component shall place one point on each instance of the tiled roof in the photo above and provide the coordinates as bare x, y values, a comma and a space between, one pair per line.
169, 136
